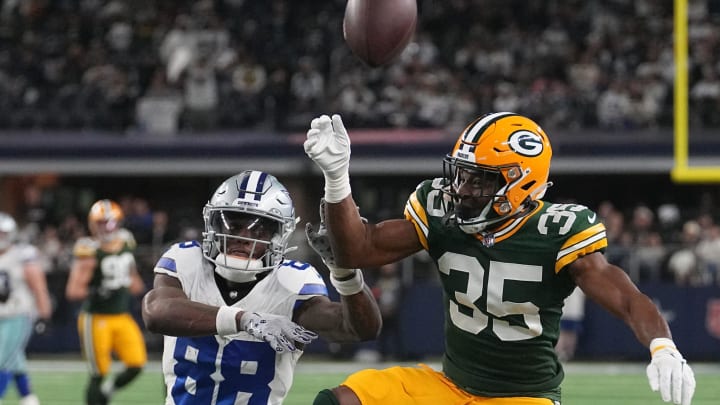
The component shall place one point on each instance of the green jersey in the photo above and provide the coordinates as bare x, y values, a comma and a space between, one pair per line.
504, 291
109, 293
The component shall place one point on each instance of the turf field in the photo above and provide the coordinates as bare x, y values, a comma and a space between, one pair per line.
62, 382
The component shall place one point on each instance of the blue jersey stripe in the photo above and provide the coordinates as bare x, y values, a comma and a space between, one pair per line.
313, 289
167, 264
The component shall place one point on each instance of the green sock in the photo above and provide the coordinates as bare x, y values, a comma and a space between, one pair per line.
325, 397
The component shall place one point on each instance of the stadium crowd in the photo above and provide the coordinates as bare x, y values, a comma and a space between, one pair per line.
188, 66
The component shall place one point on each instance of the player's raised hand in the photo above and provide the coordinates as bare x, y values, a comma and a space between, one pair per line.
669, 373
328, 145
280, 332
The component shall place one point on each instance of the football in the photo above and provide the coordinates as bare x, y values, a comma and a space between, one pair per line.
378, 30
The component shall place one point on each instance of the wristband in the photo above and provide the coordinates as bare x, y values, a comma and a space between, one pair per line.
337, 189
350, 286
340, 273
658, 344
225, 321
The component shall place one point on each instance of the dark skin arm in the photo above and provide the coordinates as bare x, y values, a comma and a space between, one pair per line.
168, 311
365, 245
360, 245
355, 318
612, 289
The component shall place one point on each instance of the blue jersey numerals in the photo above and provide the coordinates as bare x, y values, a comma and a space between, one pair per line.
245, 370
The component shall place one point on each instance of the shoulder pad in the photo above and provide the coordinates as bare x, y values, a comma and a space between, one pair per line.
28, 252
85, 247
416, 208
179, 257
579, 229
301, 278
127, 237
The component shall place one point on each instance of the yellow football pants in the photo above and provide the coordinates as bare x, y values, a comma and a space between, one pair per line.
420, 386
101, 335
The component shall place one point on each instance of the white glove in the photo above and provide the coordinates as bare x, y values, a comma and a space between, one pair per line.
669, 373
328, 145
278, 331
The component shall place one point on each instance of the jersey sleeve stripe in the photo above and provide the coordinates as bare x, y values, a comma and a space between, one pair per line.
415, 213
313, 289
595, 229
582, 248
167, 264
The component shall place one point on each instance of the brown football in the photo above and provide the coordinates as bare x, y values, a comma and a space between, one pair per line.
378, 30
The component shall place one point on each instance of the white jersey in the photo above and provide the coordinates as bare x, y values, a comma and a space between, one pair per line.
236, 369
20, 300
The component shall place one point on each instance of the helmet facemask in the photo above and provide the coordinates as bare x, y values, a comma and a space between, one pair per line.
487, 203
247, 230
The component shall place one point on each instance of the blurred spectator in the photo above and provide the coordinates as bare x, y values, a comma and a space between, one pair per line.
158, 110
201, 95
387, 290
708, 251
571, 320
138, 219
706, 96
649, 251
307, 86
683, 264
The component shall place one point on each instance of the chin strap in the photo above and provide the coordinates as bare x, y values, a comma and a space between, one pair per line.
237, 269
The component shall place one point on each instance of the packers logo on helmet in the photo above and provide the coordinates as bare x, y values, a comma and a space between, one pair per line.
526, 143
510, 154
104, 219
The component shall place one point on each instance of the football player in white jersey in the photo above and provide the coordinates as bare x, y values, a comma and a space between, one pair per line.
235, 312
24, 298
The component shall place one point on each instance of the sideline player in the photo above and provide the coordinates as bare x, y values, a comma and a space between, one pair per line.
24, 298
104, 276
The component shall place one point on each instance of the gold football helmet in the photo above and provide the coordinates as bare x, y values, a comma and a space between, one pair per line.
508, 156
104, 219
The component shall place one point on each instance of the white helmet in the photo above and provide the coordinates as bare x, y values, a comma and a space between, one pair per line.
8, 230
248, 203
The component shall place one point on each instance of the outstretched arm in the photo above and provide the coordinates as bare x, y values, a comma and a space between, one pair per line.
355, 318
611, 288
167, 310
356, 244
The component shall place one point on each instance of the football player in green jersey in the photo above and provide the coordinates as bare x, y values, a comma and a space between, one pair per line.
105, 277
506, 258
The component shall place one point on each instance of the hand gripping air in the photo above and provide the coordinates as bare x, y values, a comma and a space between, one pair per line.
278, 331
669, 373
328, 145
345, 281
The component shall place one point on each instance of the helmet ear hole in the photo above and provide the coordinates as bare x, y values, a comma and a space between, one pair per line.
527, 186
